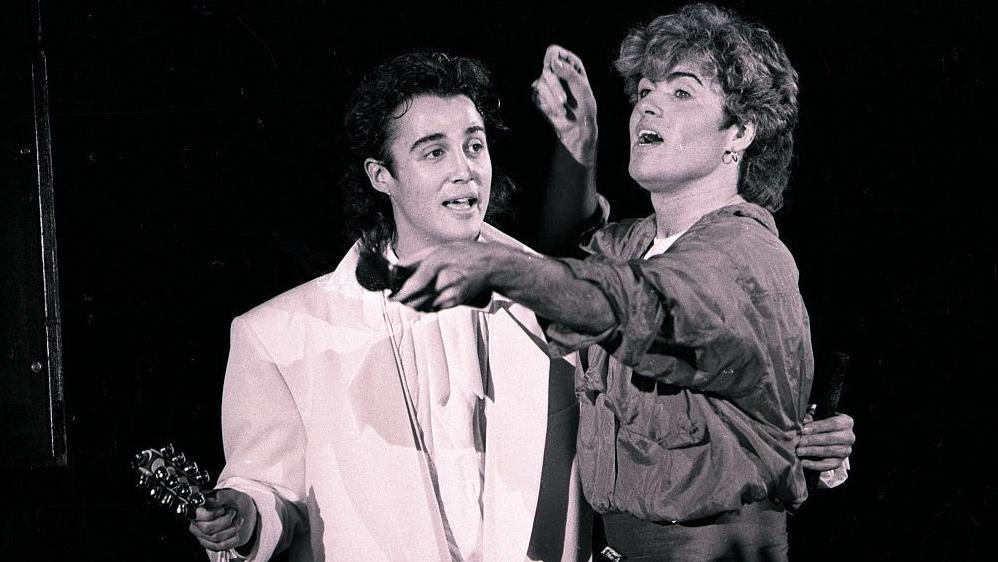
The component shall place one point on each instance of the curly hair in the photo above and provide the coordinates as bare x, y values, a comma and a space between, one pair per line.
382, 97
758, 81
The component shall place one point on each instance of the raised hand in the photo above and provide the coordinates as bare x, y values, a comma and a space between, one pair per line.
564, 96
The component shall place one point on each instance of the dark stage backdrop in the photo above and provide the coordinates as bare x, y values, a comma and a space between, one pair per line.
195, 168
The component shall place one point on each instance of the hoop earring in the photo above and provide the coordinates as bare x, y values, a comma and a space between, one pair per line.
729, 157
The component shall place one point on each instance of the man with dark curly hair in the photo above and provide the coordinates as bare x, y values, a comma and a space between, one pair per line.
697, 360
355, 425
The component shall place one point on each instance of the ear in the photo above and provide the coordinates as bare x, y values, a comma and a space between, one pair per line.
379, 175
744, 135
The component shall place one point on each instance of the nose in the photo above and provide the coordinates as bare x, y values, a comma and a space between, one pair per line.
648, 106
462, 172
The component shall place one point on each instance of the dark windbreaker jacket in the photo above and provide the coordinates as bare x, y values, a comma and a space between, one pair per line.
692, 403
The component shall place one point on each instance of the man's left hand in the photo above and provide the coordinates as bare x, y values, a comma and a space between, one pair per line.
824, 444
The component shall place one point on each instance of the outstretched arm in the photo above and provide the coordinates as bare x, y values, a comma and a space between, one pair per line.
456, 273
564, 96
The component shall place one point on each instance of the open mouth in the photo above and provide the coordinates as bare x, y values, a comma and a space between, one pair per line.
648, 137
461, 203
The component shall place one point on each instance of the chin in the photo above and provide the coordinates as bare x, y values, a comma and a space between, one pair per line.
462, 234
645, 178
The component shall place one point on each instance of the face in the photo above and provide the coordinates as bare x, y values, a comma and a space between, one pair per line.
675, 127
442, 173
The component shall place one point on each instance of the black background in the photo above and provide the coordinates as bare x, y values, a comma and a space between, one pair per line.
196, 169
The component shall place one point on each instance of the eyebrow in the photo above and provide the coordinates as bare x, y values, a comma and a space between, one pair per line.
681, 74
426, 139
440, 136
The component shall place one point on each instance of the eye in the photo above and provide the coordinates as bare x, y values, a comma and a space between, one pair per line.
476, 146
435, 154
643, 93
682, 94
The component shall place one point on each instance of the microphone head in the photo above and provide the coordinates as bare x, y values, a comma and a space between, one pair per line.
373, 271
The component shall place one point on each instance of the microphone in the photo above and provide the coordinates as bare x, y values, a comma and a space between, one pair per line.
828, 401
374, 273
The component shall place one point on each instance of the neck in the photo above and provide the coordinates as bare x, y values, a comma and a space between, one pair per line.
678, 209
406, 246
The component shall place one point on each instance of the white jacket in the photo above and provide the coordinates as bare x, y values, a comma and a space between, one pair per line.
316, 429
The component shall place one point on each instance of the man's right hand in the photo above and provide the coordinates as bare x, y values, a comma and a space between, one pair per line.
564, 96
226, 520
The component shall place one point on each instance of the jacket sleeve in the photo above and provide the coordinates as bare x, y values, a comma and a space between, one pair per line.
690, 317
264, 441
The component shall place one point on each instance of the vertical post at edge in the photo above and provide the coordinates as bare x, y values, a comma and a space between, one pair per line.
50, 265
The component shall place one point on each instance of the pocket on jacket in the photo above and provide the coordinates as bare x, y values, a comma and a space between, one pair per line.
668, 415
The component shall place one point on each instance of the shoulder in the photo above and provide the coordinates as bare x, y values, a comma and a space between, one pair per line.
318, 297
745, 229
741, 237
745, 219
622, 238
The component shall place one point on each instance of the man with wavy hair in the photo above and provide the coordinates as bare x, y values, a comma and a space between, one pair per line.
697, 360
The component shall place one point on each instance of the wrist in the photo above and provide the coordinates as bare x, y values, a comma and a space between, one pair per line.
506, 268
246, 548
583, 148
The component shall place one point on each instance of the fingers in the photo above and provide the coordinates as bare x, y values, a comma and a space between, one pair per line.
221, 545
822, 452
558, 90
564, 63
563, 79
836, 423
225, 521
830, 439
418, 289
549, 99
565, 73
215, 533
844, 438
449, 276
445, 290
204, 513
421, 300
215, 524
824, 443
551, 103
219, 533
218, 504
821, 465
449, 298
